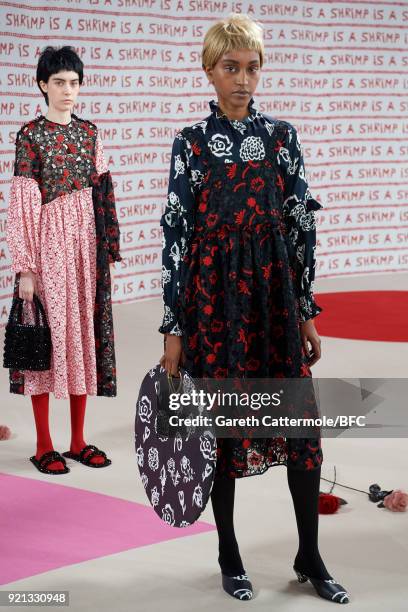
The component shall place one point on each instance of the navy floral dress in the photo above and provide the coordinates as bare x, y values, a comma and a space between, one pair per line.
239, 239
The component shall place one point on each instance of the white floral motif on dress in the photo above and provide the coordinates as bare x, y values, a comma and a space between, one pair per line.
175, 254
200, 124
269, 127
220, 145
197, 177
252, 149
239, 125
166, 275
179, 166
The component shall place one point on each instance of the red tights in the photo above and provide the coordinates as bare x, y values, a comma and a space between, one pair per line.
44, 442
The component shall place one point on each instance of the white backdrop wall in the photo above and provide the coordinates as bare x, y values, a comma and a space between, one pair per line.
338, 70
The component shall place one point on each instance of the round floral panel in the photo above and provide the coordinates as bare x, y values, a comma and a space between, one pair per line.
177, 469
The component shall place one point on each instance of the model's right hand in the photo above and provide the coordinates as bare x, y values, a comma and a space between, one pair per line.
27, 286
173, 354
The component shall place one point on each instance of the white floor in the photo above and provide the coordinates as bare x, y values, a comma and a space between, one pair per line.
364, 548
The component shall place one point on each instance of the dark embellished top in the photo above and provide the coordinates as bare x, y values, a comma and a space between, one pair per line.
63, 158
233, 141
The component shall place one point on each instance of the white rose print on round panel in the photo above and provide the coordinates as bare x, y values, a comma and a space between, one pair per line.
220, 145
145, 409
177, 471
252, 149
168, 514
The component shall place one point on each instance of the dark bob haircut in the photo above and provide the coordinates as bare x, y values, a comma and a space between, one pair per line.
53, 60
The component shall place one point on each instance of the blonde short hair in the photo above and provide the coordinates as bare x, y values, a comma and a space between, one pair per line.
237, 31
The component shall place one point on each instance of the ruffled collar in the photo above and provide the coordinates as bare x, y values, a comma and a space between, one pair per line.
220, 115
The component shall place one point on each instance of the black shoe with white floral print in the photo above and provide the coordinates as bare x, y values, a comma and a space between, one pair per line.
239, 587
328, 589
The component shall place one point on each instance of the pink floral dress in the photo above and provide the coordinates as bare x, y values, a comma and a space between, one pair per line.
62, 225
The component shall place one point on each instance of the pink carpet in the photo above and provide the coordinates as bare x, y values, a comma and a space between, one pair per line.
364, 315
45, 526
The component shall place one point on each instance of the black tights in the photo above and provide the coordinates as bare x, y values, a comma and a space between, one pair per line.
304, 488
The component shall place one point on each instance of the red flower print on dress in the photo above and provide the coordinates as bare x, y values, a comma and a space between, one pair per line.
280, 182
253, 364
266, 270
243, 287
208, 309
213, 277
196, 148
212, 219
204, 195
257, 183
207, 260
217, 326
251, 202
220, 373
239, 217
231, 171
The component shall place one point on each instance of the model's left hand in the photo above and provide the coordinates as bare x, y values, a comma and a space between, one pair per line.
308, 333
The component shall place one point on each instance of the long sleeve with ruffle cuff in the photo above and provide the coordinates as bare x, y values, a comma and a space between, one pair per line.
23, 223
177, 223
299, 211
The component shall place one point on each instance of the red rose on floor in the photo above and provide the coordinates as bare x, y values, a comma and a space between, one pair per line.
328, 504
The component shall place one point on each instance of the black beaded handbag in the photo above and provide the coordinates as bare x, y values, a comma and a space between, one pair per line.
27, 347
